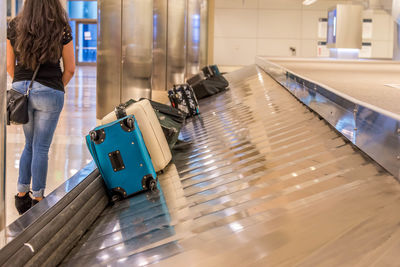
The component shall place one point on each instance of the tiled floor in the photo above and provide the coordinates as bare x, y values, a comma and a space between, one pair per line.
68, 152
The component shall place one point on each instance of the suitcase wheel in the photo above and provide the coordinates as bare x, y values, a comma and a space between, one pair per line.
149, 183
128, 124
97, 136
117, 194
152, 185
93, 135
116, 197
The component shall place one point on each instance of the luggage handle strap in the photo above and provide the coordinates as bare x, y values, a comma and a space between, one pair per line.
33, 79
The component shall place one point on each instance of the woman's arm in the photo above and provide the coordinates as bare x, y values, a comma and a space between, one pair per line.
10, 59
69, 62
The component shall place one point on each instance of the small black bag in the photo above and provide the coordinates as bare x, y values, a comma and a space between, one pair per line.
17, 104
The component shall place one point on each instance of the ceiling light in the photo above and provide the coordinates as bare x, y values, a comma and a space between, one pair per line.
309, 2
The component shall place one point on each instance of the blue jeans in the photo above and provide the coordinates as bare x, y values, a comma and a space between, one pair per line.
45, 105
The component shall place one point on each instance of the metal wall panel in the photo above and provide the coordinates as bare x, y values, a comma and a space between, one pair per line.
3, 86
203, 32
193, 38
348, 26
176, 40
160, 17
137, 49
143, 46
108, 56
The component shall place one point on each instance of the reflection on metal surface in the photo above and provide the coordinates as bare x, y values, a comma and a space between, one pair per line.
374, 132
109, 45
3, 86
125, 44
147, 45
203, 32
263, 175
196, 36
160, 17
193, 38
176, 42
137, 46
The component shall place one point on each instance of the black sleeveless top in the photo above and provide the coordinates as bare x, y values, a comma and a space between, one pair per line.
50, 73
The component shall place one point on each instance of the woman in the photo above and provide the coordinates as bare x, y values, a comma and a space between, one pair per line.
39, 36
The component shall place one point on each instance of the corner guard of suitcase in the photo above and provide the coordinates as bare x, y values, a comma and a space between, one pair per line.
149, 183
117, 194
128, 124
97, 136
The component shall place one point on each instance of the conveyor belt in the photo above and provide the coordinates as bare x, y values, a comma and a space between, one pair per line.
266, 183
348, 105
370, 81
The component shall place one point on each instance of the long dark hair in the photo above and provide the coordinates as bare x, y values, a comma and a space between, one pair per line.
40, 28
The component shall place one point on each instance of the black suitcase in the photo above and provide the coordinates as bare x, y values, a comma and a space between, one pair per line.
204, 87
207, 88
208, 71
212, 73
183, 98
220, 81
196, 79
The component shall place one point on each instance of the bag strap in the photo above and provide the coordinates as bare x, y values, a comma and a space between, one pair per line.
33, 79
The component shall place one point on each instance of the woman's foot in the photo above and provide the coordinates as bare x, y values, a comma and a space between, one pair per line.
36, 200
23, 202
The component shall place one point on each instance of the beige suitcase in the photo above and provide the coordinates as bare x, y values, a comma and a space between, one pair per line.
150, 127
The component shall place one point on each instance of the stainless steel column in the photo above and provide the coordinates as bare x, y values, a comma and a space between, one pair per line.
143, 46
160, 23
137, 48
3, 85
176, 42
210, 31
193, 38
396, 42
203, 32
109, 46
197, 28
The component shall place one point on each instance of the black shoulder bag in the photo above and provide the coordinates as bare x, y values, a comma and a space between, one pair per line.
17, 104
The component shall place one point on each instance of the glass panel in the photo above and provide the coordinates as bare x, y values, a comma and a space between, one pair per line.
72, 23
87, 42
18, 6
82, 9
8, 8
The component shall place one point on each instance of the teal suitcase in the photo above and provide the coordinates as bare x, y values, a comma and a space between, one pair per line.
122, 158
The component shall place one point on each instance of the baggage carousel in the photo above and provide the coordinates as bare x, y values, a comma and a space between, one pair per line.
266, 182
